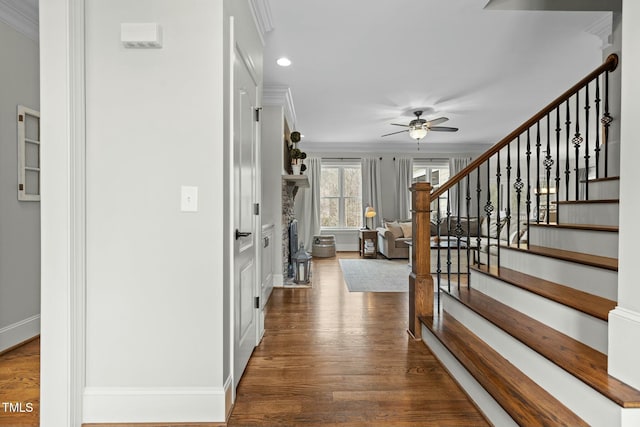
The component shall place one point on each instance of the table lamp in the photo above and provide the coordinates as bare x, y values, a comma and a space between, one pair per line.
369, 212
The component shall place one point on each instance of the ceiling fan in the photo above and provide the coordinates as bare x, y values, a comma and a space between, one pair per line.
418, 128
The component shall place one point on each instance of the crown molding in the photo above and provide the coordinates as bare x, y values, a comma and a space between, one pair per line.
603, 29
280, 95
425, 148
261, 10
22, 16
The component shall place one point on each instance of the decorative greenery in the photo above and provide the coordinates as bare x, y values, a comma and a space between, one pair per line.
295, 137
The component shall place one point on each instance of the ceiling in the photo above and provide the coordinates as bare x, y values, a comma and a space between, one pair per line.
359, 65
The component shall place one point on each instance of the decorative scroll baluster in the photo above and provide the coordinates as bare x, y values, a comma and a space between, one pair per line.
606, 121
518, 186
498, 204
508, 193
587, 107
528, 153
597, 143
538, 173
577, 140
548, 164
567, 172
558, 130
488, 210
468, 197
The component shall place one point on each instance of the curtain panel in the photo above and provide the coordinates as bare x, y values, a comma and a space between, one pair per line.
371, 188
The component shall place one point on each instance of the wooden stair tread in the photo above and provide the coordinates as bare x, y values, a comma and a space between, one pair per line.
578, 359
593, 227
524, 400
584, 302
582, 258
586, 202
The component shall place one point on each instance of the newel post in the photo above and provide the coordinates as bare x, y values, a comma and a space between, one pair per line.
420, 280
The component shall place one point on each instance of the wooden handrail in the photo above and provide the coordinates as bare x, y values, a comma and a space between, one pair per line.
609, 64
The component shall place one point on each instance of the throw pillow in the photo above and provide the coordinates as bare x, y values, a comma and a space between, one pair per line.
395, 229
407, 229
493, 229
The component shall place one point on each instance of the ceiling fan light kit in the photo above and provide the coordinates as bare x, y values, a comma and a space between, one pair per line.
419, 128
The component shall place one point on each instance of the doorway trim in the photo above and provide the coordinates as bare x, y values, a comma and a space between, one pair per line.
63, 212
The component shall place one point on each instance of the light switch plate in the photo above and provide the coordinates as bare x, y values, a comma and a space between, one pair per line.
189, 199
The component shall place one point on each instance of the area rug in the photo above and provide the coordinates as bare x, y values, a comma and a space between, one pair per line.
375, 275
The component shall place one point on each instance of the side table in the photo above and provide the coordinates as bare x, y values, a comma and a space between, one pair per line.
368, 243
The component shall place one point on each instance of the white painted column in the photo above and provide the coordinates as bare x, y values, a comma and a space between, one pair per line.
624, 321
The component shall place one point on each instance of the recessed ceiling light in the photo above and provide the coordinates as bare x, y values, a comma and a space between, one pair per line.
283, 62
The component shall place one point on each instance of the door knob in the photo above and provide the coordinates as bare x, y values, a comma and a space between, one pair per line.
240, 234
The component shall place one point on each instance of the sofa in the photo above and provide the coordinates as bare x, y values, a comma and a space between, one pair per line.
393, 237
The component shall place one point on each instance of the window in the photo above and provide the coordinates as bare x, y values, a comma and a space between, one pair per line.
28, 154
341, 195
436, 172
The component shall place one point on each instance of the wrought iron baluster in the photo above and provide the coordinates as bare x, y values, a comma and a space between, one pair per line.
438, 263
518, 186
538, 173
587, 107
567, 172
597, 116
498, 204
548, 164
488, 210
459, 232
508, 195
606, 121
478, 193
558, 130
528, 153
577, 140
468, 197
448, 242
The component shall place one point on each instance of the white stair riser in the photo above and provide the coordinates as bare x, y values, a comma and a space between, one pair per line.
580, 326
602, 243
594, 280
584, 213
487, 404
604, 190
583, 400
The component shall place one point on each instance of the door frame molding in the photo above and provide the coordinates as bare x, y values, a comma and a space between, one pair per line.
63, 222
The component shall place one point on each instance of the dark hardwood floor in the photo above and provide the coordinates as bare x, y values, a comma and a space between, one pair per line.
328, 357
331, 357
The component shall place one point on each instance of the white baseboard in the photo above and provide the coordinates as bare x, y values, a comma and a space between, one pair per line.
624, 336
18, 332
277, 280
154, 404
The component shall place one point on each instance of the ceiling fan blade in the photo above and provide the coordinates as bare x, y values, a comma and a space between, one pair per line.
393, 133
436, 121
398, 124
443, 129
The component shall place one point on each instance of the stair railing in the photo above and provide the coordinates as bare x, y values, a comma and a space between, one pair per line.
546, 161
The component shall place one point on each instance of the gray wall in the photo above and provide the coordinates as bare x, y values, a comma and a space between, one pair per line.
19, 221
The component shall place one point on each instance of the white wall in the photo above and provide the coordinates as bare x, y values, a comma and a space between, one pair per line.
19, 221
154, 274
624, 321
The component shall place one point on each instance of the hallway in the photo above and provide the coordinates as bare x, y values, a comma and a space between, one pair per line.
331, 357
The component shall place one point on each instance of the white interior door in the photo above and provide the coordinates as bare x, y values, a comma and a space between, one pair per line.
245, 221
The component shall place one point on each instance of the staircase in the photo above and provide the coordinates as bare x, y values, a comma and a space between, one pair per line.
525, 332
